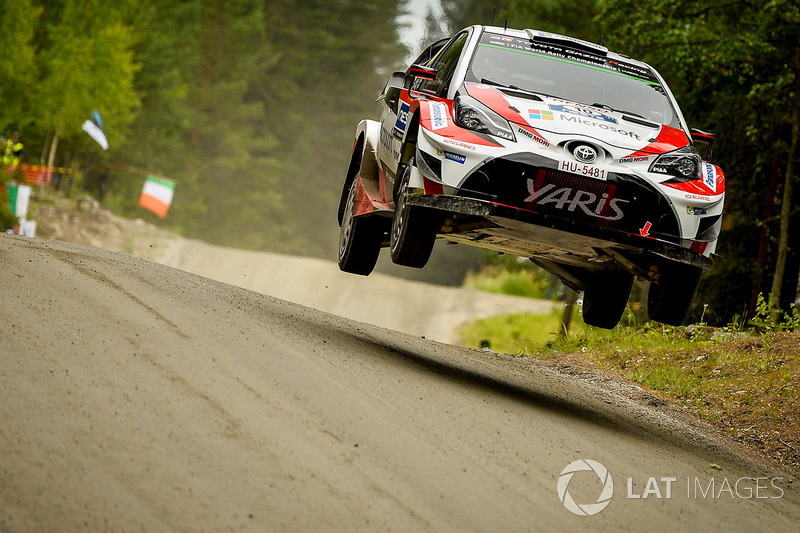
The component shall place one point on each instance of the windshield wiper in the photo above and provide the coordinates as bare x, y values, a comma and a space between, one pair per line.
536, 95
630, 116
606, 106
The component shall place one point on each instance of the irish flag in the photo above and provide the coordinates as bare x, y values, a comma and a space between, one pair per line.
157, 195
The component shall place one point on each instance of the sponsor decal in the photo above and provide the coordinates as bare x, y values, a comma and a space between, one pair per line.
460, 144
571, 200
640, 159
452, 156
710, 176
537, 114
402, 120
438, 115
565, 52
532, 137
386, 140
690, 210
697, 197
582, 111
599, 125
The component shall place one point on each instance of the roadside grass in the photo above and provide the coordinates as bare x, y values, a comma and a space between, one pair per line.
517, 283
519, 333
746, 382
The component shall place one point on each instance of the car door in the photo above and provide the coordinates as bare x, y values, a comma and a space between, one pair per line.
399, 104
394, 116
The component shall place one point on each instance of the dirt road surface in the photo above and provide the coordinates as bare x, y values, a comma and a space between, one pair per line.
138, 397
431, 311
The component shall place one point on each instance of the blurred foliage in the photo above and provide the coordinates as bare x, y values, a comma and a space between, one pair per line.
250, 106
508, 274
518, 334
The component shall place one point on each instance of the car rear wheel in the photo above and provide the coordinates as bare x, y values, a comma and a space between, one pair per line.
413, 228
360, 238
605, 299
669, 300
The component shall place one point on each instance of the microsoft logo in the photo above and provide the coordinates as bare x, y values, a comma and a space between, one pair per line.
536, 114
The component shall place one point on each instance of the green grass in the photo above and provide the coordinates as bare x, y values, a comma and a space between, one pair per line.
519, 333
519, 283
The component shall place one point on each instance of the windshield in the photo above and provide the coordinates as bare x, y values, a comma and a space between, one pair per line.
554, 70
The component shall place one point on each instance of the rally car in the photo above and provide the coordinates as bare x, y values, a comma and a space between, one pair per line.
543, 146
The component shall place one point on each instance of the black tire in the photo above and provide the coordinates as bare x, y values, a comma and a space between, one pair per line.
669, 300
360, 239
605, 299
413, 230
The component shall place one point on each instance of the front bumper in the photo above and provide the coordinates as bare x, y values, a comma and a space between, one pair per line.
506, 228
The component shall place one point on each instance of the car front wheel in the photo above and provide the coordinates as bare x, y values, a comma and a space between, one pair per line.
669, 300
360, 238
413, 228
605, 299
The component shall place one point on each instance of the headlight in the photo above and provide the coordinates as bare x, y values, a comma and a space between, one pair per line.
473, 115
683, 164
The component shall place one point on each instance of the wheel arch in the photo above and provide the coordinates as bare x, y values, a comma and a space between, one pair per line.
363, 160
409, 148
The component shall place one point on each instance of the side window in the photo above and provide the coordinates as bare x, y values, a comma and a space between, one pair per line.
430, 52
445, 66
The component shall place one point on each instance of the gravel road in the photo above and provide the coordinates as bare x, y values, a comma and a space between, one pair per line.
139, 397
423, 309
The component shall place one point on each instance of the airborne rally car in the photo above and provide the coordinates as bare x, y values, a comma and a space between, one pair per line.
542, 146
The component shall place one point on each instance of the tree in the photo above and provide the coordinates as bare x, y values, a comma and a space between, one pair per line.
733, 67
738, 56
18, 68
86, 63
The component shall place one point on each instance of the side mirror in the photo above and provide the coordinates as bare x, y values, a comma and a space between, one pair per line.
419, 72
704, 138
422, 72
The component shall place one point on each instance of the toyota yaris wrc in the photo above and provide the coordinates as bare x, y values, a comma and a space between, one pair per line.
543, 146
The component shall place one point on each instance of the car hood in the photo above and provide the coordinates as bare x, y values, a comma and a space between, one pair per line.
563, 119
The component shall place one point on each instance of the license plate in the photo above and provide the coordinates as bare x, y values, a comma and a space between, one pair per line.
582, 169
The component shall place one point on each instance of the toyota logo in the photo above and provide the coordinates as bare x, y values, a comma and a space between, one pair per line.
585, 154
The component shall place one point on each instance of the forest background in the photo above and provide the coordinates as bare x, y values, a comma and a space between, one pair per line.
250, 107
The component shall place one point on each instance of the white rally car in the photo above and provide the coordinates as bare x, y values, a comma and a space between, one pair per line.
542, 146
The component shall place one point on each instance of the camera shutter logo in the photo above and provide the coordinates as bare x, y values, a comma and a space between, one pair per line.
585, 509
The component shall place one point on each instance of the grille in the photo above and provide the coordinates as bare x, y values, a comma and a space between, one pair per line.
620, 202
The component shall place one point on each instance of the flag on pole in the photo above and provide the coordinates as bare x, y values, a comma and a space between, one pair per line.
96, 133
157, 195
97, 119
